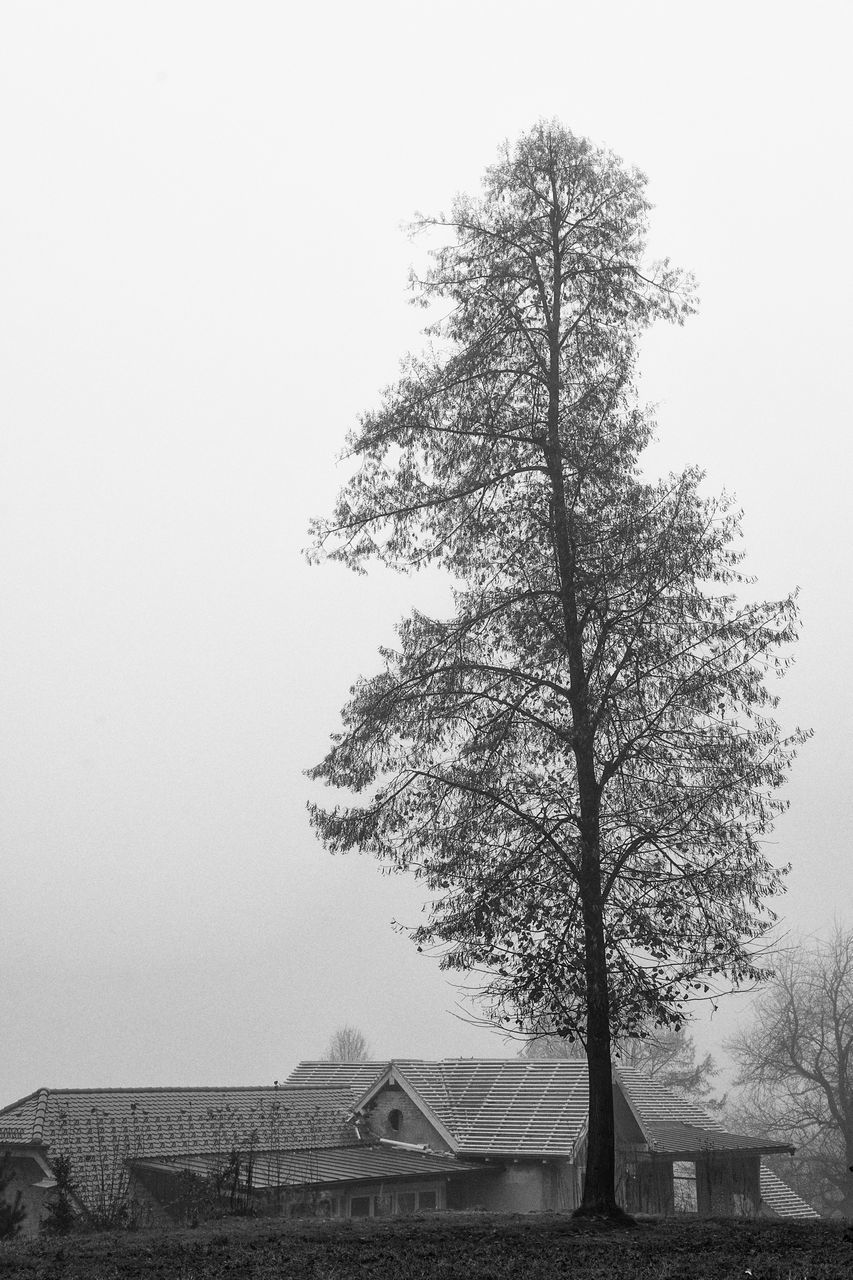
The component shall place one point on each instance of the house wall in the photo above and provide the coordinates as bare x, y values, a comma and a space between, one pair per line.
414, 1126
384, 1199
728, 1183
519, 1186
648, 1188
628, 1132
25, 1171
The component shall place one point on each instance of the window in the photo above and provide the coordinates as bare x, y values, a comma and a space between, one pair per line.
405, 1202
427, 1200
359, 1206
383, 1205
395, 1120
684, 1186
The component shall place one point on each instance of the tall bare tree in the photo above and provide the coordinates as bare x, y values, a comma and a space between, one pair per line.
580, 762
347, 1044
796, 1066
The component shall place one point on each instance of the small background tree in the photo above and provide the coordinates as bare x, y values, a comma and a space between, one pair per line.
796, 1073
347, 1044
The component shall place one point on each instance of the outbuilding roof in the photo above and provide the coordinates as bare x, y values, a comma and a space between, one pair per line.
673, 1125
673, 1138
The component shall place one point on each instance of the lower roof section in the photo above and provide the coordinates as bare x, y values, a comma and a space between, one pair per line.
778, 1197
330, 1167
675, 1138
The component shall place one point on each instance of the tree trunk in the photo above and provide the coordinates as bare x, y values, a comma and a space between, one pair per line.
599, 1196
599, 1192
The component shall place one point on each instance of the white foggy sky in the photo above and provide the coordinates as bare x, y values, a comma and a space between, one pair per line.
202, 282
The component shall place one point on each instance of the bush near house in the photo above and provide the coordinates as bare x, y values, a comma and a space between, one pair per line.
60, 1214
476, 1246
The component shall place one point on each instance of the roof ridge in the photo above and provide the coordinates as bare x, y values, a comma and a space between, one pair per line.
39, 1118
181, 1088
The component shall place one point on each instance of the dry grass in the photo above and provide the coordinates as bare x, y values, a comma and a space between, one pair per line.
447, 1247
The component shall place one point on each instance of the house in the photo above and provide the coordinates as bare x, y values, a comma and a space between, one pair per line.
148, 1155
381, 1138
525, 1120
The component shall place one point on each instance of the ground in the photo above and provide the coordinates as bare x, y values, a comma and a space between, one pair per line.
446, 1247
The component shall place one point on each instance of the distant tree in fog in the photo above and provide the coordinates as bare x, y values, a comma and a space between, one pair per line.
664, 1054
347, 1044
796, 1067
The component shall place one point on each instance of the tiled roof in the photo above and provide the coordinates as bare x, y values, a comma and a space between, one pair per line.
100, 1129
505, 1106
676, 1138
778, 1197
22, 1120
673, 1124
355, 1076
523, 1107
497, 1106
328, 1168
653, 1101
160, 1121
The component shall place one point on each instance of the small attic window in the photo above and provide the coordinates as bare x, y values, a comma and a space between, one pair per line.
395, 1119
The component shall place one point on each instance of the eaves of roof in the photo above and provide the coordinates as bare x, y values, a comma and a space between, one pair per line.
672, 1138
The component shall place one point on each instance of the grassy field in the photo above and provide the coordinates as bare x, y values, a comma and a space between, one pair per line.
447, 1246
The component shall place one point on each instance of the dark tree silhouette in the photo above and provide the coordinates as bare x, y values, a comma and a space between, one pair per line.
581, 761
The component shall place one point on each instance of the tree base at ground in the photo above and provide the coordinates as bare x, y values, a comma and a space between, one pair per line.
609, 1215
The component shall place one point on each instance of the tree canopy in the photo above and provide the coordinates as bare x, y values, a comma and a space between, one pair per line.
580, 762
